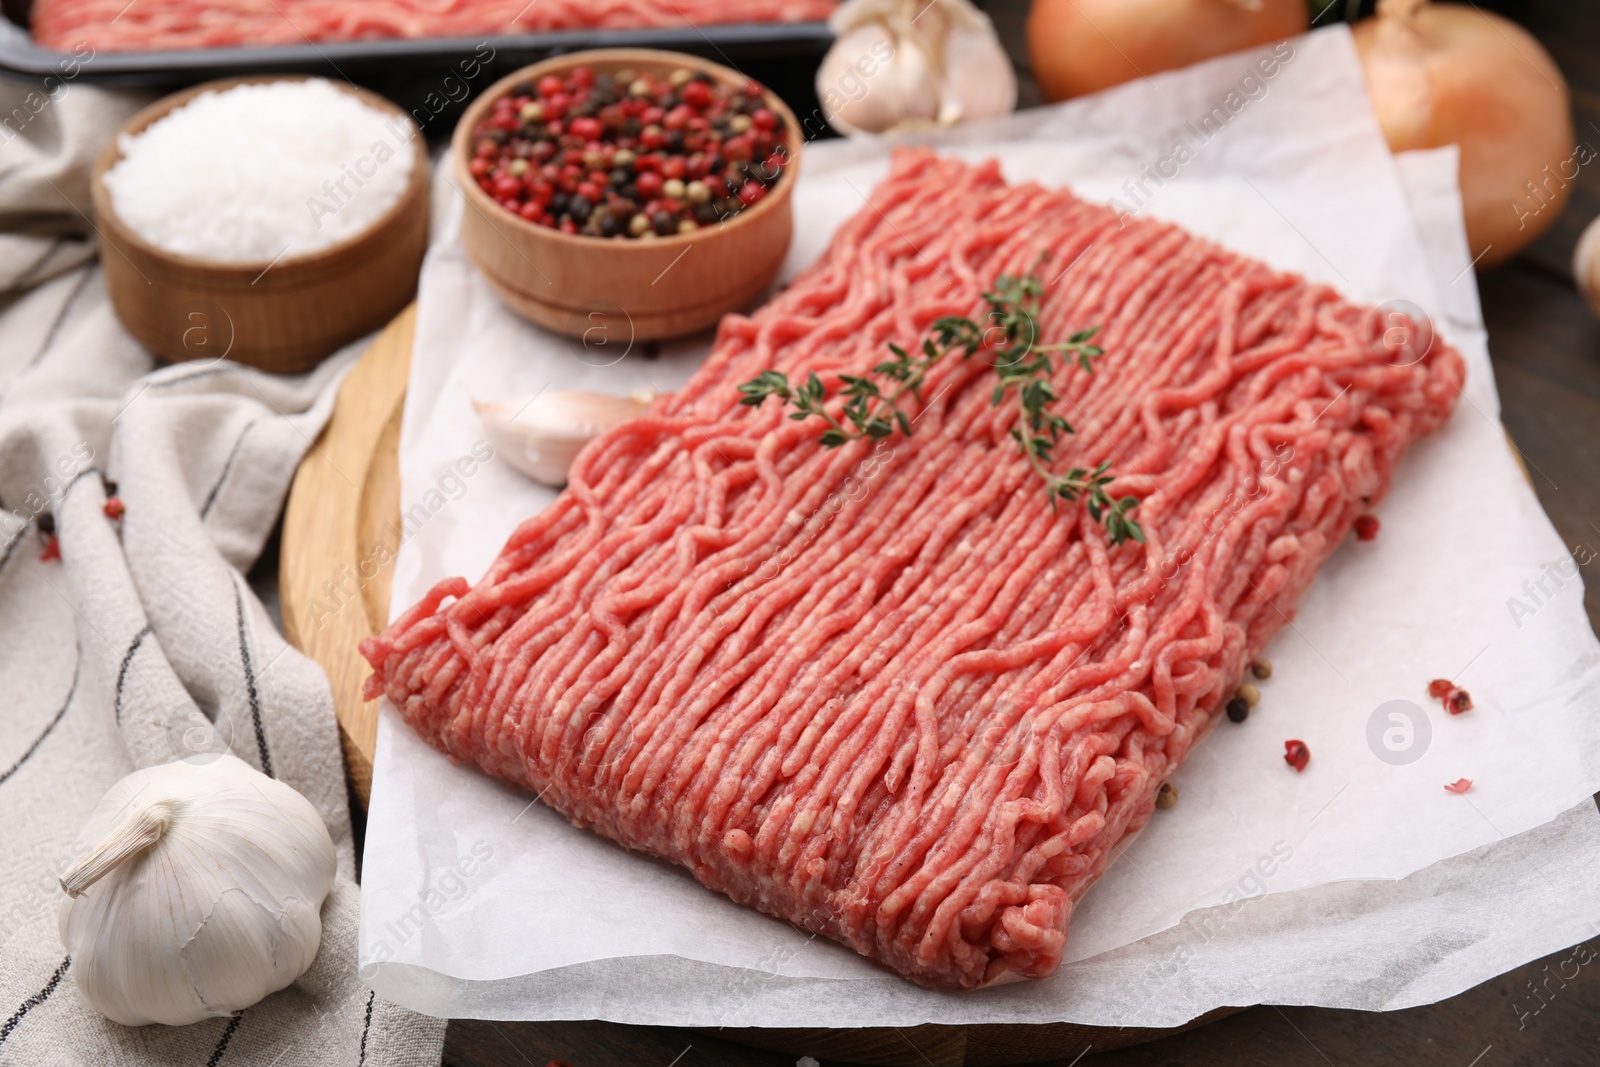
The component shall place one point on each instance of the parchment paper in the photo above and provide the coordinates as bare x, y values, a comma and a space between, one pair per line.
478, 901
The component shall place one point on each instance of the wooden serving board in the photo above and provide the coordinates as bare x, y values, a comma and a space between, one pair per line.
340, 534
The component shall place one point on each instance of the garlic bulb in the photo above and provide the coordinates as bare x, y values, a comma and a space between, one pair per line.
910, 64
541, 435
200, 892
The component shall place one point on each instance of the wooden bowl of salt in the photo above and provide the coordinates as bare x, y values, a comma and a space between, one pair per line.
348, 245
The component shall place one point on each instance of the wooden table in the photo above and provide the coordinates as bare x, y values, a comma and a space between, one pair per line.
1546, 351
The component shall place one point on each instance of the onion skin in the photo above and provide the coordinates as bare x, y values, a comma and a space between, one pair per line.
1083, 46
1451, 74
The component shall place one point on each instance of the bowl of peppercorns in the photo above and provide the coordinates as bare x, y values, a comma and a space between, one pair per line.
639, 193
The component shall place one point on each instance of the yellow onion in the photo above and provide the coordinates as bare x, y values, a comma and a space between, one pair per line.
1083, 46
1452, 74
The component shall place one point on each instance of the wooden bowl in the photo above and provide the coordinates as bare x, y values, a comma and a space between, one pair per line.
285, 315
633, 290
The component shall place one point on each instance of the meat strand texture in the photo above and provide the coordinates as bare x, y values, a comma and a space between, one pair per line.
116, 26
884, 691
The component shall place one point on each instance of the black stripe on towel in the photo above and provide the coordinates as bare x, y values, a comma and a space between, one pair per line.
211, 497
250, 685
122, 671
61, 316
227, 1036
365, 1027
34, 1001
77, 669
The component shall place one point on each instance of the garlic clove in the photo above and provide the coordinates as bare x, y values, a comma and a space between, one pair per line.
199, 892
900, 65
1586, 265
978, 80
541, 435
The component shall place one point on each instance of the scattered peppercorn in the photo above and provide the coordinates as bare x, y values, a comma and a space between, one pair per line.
1238, 709
594, 153
1455, 699
1296, 754
114, 508
1251, 694
1166, 796
52, 547
1460, 785
1262, 669
1366, 527
47, 524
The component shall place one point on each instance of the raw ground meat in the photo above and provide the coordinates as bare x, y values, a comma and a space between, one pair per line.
883, 691
151, 25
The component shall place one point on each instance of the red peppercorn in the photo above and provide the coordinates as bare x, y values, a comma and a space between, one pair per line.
1366, 527
568, 226
506, 186
697, 95
649, 184
1440, 688
750, 192
586, 127
580, 77
52, 548
114, 508
478, 167
762, 119
550, 85
673, 167
1296, 754
1457, 701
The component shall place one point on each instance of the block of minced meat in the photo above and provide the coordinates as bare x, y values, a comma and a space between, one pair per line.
892, 691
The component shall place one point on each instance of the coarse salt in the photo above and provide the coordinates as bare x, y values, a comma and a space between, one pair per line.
260, 173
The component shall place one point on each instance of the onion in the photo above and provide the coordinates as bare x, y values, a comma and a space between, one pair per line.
1450, 74
1083, 46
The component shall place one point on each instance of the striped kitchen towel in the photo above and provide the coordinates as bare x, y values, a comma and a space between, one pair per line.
125, 639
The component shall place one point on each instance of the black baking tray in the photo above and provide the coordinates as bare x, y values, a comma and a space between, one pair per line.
414, 72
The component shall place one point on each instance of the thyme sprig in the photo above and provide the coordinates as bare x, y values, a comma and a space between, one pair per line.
1024, 369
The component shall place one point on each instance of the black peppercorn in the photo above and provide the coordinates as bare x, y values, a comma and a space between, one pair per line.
579, 207
47, 524
664, 223
1238, 709
611, 224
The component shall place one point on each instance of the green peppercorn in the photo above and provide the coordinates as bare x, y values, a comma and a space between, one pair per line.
639, 224
673, 189
698, 192
1262, 668
1251, 694
1166, 796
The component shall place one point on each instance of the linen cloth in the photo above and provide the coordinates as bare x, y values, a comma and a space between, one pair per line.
135, 641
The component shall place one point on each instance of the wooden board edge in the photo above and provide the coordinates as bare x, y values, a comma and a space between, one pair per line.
327, 571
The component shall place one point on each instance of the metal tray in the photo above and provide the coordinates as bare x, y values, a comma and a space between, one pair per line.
431, 77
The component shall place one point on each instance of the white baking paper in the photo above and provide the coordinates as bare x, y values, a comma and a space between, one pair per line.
479, 901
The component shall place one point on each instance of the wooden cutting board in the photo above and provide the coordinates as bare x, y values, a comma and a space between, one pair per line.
341, 532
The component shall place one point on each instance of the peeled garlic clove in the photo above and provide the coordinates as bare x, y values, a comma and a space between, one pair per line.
199, 892
906, 64
541, 435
